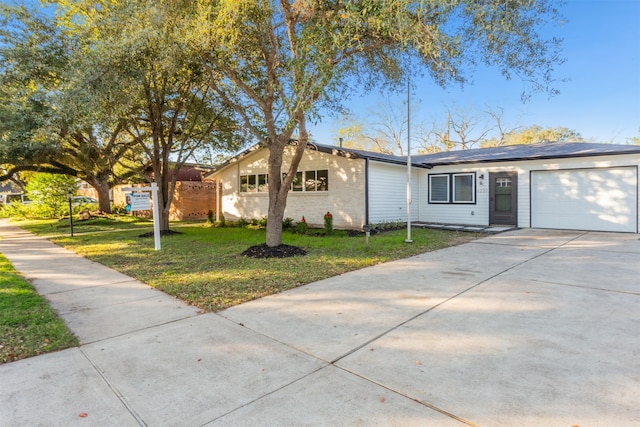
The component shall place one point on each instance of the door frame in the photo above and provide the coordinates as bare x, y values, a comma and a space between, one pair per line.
514, 198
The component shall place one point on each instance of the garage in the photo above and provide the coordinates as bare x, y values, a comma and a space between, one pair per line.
594, 199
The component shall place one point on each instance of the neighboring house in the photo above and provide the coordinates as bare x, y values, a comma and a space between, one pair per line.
193, 198
10, 192
580, 186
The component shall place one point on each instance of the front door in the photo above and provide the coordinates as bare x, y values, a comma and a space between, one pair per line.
503, 198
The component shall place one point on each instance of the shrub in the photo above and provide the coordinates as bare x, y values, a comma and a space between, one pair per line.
210, 219
48, 193
119, 210
328, 223
302, 226
15, 210
287, 223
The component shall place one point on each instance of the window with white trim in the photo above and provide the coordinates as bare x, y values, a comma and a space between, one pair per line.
457, 188
304, 181
438, 188
258, 183
311, 180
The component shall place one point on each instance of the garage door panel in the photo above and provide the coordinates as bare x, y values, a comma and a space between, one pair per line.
585, 199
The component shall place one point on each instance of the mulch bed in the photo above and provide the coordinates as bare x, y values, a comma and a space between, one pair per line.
162, 233
281, 251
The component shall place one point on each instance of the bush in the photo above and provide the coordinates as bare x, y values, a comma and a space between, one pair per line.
14, 210
287, 223
328, 223
302, 226
210, 219
49, 193
119, 210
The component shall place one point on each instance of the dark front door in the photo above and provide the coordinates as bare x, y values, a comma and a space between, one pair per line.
503, 198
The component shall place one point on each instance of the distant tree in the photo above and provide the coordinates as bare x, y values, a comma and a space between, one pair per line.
535, 134
635, 140
384, 130
277, 62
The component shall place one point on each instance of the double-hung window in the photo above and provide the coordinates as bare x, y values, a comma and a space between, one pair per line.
452, 188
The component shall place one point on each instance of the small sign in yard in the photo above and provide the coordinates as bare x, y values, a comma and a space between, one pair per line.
140, 201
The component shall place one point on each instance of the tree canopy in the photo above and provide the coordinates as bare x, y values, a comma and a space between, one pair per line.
277, 62
178, 73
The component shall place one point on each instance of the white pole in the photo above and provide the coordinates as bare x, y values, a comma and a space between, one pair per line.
408, 240
218, 200
156, 216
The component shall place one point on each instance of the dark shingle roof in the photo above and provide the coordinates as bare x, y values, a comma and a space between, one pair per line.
546, 150
362, 154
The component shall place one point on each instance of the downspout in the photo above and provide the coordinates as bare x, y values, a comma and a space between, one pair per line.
218, 183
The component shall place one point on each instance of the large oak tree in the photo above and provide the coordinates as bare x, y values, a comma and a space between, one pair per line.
147, 70
47, 121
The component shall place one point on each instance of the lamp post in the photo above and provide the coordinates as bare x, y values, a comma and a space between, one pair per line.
70, 199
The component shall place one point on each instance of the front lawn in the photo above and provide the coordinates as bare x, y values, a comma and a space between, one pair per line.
28, 326
204, 267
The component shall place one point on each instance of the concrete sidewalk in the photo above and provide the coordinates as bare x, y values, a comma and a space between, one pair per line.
530, 327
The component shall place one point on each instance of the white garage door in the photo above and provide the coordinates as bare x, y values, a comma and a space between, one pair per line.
586, 199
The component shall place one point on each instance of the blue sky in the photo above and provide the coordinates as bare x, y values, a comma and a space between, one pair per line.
600, 99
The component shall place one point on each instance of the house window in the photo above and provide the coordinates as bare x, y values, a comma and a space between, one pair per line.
253, 183
297, 182
263, 183
452, 188
463, 188
438, 188
313, 180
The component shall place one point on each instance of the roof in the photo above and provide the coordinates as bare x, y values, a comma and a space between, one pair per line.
546, 150
362, 154
329, 149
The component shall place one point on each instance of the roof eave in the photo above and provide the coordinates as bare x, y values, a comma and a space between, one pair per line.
526, 158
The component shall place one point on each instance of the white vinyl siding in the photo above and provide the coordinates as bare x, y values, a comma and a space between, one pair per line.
388, 193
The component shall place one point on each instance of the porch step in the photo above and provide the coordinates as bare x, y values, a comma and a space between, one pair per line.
467, 228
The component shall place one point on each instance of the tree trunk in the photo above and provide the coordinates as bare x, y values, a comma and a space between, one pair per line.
277, 197
103, 190
104, 200
279, 188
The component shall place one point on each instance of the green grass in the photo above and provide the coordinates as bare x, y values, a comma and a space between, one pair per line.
204, 267
28, 326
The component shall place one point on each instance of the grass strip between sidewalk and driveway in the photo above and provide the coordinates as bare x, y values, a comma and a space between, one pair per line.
204, 266
28, 325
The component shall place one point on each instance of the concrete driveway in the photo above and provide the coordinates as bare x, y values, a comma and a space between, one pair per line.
530, 327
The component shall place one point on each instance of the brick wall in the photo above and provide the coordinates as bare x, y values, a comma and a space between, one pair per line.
191, 200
